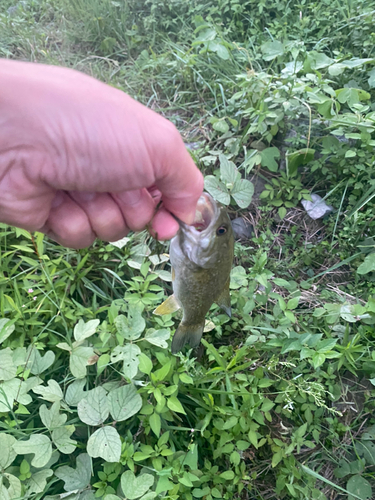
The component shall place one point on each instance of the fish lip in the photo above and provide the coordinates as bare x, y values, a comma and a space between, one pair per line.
208, 210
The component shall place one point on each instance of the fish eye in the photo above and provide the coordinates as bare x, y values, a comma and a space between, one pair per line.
221, 230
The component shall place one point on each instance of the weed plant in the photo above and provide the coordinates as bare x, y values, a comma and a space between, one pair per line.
279, 402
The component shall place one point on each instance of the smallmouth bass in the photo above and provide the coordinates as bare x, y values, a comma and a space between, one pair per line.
201, 257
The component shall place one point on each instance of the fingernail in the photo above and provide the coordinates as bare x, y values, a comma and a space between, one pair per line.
58, 199
130, 197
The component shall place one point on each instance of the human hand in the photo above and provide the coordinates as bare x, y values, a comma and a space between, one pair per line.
80, 159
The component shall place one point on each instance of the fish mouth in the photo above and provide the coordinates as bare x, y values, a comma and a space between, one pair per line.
205, 213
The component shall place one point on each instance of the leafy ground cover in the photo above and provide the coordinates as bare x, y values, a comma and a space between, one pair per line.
280, 402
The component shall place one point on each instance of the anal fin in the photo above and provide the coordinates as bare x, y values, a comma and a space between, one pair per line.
187, 334
168, 306
224, 299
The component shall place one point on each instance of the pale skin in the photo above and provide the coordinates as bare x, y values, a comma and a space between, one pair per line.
81, 160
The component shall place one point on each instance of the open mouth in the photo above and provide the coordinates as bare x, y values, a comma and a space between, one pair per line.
204, 214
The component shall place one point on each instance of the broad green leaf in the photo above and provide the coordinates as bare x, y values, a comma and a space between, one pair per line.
326, 345
155, 423
276, 458
205, 34
298, 158
163, 275
40, 363
336, 69
79, 478
368, 265
50, 393
242, 445
15, 390
158, 337
62, 441
14, 489
103, 361
131, 326
149, 496
320, 60
292, 68
6, 328
162, 372
79, 359
272, 49
124, 402
326, 109
75, 392
93, 409
64, 346
105, 443
220, 50
359, 486
186, 379
52, 418
38, 481
267, 405
366, 449
174, 404
120, 243
84, 330
227, 475
145, 363
201, 492
221, 126
350, 153
282, 212
163, 484
242, 192
87, 495
355, 62
185, 480
191, 457
292, 303
164, 438
8, 369
217, 189
19, 356
268, 156
230, 423
135, 486
129, 355
318, 359
7, 454
228, 170
343, 469
37, 444
238, 277
301, 431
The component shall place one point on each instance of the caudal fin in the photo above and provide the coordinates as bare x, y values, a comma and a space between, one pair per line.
187, 334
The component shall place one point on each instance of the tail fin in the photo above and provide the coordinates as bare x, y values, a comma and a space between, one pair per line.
190, 334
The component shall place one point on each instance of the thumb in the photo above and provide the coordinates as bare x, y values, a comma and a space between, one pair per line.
179, 180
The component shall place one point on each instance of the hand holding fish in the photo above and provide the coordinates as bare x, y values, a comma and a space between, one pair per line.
80, 159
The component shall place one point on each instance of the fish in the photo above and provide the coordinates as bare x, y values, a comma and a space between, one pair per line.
201, 257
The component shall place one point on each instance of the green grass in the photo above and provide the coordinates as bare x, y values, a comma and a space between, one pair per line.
279, 402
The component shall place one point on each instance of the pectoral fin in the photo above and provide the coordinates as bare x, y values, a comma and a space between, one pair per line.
224, 299
187, 334
168, 306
